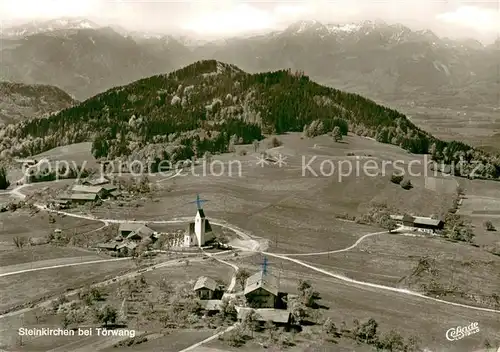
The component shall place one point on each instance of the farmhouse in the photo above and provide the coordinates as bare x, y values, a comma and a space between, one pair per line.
80, 198
199, 232
97, 190
205, 288
425, 224
419, 223
261, 290
135, 232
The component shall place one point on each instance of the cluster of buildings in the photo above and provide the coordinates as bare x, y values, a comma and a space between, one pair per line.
198, 233
128, 238
261, 294
89, 191
419, 223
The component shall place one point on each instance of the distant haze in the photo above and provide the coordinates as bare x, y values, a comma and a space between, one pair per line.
219, 18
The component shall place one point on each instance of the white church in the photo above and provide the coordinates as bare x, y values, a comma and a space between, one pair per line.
199, 232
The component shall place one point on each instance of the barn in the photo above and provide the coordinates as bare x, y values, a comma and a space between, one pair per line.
261, 290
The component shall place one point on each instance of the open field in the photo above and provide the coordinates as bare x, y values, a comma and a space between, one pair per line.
384, 259
297, 213
19, 288
409, 315
22, 223
41, 254
177, 339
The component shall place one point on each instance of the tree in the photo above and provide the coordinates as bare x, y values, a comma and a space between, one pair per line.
4, 181
488, 225
329, 329
307, 295
270, 328
275, 142
368, 331
19, 241
241, 277
337, 134
227, 310
406, 184
396, 178
250, 322
106, 315
392, 341
387, 223
235, 337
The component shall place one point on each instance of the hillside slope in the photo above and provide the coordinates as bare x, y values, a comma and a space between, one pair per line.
20, 101
210, 106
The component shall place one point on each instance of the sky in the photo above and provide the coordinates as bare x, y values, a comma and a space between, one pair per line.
219, 18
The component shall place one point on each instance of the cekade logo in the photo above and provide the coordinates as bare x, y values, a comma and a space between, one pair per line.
460, 332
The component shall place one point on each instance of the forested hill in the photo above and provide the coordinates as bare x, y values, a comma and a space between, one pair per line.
209, 106
19, 101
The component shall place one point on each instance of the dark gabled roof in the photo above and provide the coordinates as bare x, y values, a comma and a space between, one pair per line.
266, 281
205, 282
419, 220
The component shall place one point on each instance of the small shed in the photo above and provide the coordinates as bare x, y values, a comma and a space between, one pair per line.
126, 248
205, 288
99, 181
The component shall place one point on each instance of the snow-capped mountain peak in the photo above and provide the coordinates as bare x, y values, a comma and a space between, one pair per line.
35, 27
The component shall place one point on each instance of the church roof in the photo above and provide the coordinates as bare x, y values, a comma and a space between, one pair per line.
201, 212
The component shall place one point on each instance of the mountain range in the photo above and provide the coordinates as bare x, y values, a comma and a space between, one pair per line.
387, 62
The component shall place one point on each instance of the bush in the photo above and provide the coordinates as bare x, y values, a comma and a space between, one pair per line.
489, 226
406, 184
275, 142
395, 178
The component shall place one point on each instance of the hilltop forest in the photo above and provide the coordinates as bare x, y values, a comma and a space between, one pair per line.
209, 106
